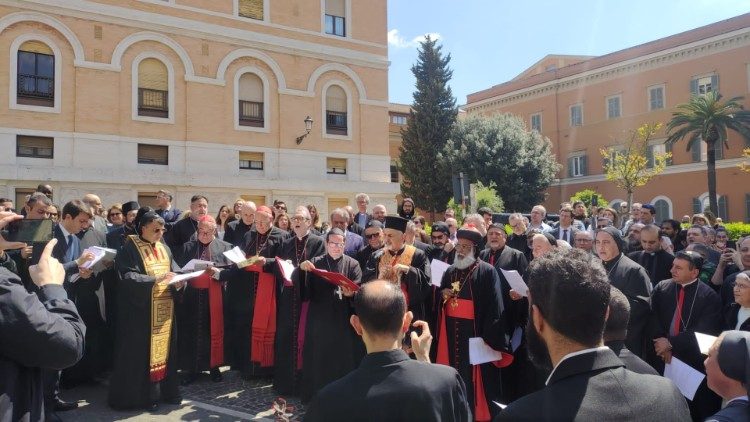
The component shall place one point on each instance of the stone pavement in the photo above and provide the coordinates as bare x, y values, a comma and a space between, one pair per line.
233, 399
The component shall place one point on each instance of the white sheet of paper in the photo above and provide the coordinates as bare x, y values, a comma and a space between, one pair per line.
515, 339
437, 269
516, 282
685, 377
180, 277
100, 254
190, 266
235, 255
481, 352
704, 342
286, 268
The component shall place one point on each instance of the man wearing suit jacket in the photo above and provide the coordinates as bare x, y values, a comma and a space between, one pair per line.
353, 242
388, 385
588, 381
362, 217
565, 230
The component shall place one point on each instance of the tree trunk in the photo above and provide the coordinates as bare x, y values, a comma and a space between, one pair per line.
711, 164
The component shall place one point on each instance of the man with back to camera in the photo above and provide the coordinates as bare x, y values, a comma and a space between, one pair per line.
588, 382
388, 385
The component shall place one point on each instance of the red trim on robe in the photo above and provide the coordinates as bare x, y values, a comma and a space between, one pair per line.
216, 316
264, 318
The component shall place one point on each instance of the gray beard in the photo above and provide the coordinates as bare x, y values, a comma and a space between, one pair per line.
463, 263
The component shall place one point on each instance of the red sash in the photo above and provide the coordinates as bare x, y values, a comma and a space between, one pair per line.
264, 318
216, 315
465, 310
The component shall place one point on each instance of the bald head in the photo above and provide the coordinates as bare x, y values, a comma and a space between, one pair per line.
380, 306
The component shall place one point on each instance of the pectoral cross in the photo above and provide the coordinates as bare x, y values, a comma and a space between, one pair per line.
339, 293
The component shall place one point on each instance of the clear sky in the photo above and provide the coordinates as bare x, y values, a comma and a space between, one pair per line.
492, 41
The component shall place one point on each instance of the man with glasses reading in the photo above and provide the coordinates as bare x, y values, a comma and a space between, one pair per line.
335, 349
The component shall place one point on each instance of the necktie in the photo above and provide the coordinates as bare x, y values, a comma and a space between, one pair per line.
565, 235
72, 253
678, 312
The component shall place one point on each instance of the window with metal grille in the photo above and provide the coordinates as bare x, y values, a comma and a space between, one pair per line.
251, 101
153, 154
153, 88
35, 75
251, 160
336, 111
35, 146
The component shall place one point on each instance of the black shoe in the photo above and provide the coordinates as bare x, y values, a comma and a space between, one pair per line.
173, 400
189, 378
216, 375
64, 406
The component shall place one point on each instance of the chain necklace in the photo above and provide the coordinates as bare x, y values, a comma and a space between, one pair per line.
614, 265
297, 254
260, 246
690, 315
457, 285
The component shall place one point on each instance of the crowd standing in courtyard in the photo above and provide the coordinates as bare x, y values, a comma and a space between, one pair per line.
613, 298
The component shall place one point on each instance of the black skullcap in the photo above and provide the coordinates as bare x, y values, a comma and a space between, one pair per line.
734, 355
396, 223
469, 233
130, 206
374, 223
612, 231
441, 227
145, 215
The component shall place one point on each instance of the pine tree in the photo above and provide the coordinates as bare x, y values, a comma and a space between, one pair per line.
426, 179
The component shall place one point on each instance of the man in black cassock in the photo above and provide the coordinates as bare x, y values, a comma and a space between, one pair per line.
633, 282
243, 297
387, 385
682, 306
235, 231
656, 261
330, 351
517, 379
199, 309
472, 306
402, 264
185, 230
303, 246
373, 235
441, 247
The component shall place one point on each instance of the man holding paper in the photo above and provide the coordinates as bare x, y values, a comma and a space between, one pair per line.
200, 309
472, 308
303, 246
682, 306
330, 351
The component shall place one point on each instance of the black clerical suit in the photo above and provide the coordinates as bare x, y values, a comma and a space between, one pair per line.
657, 264
519, 242
387, 387
594, 386
633, 282
289, 310
701, 312
180, 233
235, 232
38, 331
363, 255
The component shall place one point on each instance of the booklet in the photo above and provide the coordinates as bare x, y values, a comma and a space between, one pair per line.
180, 277
287, 269
101, 254
235, 255
197, 264
336, 279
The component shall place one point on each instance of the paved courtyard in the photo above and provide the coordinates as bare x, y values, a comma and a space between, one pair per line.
233, 399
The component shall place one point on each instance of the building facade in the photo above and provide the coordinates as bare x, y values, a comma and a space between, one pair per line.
124, 97
583, 104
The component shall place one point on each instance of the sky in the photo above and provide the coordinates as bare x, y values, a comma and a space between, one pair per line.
492, 41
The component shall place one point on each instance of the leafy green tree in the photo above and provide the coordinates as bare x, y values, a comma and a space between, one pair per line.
630, 168
707, 118
586, 195
486, 197
498, 151
433, 113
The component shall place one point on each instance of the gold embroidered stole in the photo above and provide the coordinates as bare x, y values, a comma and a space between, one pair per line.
387, 262
156, 262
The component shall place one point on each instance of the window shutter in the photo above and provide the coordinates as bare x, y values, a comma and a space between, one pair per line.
583, 165
723, 208
36, 47
650, 156
252, 9
336, 165
251, 88
668, 148
697, 209
694, 86
696, 151
152, 74
336, 99
251, 156
715, 83
153, 154
335, 8
570, 167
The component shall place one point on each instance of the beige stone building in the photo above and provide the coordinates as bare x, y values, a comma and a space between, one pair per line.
583, 104
123, 97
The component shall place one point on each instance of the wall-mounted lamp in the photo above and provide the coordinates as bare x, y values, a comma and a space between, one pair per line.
308, 128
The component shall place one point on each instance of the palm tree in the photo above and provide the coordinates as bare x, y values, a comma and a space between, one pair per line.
706, 118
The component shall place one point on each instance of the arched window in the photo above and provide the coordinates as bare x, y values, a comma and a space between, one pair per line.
663, 210
250, 100
336, 111
35, 74
153, 88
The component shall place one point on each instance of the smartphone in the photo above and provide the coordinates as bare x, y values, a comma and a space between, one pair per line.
30, 231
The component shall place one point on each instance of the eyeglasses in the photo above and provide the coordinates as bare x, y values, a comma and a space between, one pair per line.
740, 286
462, 247
372, 235
299, 219
335, 244
114, 214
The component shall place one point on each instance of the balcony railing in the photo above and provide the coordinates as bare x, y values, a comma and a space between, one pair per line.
336, 123
153, 102
35, 90
251, 113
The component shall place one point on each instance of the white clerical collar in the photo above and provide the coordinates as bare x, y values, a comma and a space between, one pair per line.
570, 355
740, 398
